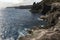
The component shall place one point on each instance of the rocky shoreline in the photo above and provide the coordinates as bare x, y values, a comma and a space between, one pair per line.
51, 31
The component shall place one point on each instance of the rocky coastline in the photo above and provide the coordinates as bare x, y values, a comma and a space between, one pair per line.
22, 7
51, 31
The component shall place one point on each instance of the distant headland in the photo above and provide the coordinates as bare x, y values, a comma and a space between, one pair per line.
22, 7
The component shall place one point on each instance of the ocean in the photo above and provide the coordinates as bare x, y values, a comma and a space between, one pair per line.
14, 22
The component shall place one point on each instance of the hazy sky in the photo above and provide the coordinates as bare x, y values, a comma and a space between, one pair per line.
20, 1
8, 3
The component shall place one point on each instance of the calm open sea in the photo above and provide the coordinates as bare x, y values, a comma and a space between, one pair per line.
14, 22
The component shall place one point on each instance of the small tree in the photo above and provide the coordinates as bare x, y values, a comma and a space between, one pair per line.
34, 3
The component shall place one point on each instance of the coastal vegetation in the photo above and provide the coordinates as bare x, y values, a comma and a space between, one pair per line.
43, 6
24, 7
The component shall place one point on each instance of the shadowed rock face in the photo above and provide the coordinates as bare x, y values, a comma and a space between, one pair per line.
53, 13
45, 9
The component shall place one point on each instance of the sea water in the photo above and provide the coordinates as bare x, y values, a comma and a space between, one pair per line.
14, 22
